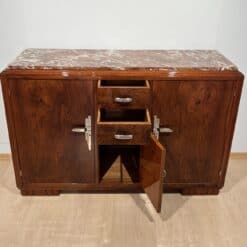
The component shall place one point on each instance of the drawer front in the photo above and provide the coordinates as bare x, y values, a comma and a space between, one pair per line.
123, 134
124, 96
123, 127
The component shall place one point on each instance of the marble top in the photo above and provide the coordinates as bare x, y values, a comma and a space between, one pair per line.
80, 59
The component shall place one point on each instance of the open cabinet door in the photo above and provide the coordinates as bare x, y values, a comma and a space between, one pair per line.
152, 165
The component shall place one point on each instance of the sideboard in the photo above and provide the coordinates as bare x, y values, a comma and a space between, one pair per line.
121, 120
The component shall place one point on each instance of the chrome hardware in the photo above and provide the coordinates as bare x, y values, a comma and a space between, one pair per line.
78, 130
157, 130
87, 130
123, 137
156, 126
165, 130
164, 173
123, 100
88, 133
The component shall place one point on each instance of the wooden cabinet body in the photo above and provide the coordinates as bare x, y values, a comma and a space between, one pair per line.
43, 107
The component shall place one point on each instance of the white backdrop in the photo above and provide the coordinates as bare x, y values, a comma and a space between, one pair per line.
126, 24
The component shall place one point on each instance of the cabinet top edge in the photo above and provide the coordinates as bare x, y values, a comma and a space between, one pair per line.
153, 60
180, 74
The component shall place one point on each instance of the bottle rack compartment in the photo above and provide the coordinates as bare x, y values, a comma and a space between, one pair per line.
119, 163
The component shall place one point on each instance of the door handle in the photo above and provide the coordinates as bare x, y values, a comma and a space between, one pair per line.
123, 100
78, 130
123, 137
165, 130
87, 130
157, 130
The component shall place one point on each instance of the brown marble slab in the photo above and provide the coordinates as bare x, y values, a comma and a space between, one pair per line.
121, 59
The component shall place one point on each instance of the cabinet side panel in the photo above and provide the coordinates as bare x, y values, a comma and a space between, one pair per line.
11, 131
231, 120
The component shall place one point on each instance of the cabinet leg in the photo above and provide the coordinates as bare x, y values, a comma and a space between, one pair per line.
36, 192
200, 191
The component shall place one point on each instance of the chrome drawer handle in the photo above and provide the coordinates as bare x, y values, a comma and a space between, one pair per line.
123, 100
123, 137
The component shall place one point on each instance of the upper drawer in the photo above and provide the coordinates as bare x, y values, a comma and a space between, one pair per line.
121, 93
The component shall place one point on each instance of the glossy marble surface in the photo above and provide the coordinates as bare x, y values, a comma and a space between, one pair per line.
121, 59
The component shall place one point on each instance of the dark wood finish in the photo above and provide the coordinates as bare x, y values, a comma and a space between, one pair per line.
152, 164
139, 94
44, 113
203, 190
105, 186
12, 133
231, 120
199, 104
140, 131
200, 114
40, 192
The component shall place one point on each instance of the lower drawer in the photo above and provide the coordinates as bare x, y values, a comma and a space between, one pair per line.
123, 127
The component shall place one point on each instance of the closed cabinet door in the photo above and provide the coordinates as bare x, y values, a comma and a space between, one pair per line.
49, 120
194, 122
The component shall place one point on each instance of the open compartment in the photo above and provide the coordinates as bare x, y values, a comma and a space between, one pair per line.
123, 126
124, 93
119, 163
123, 115
123, 83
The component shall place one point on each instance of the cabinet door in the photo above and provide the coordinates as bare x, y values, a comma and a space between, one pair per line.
198, 114
44, 113
152, 164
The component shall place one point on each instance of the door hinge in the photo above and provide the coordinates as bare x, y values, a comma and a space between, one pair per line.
9, 91
220, 173
164, 173
20, 173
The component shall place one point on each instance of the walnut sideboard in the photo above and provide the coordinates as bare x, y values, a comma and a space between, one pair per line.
121, 120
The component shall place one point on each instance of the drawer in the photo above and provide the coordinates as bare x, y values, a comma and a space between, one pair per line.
124, 126
125, 94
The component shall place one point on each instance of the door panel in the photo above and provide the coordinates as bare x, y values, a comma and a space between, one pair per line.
152, 164
45, 111
197, 112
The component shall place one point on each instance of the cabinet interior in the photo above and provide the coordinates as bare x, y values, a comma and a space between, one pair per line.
123, 83
123, 115
119, 163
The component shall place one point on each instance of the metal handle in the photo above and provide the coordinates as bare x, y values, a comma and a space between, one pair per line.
165, 130
86, 130
125, 100
79, 130
123, 137
164, 173
156, 128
